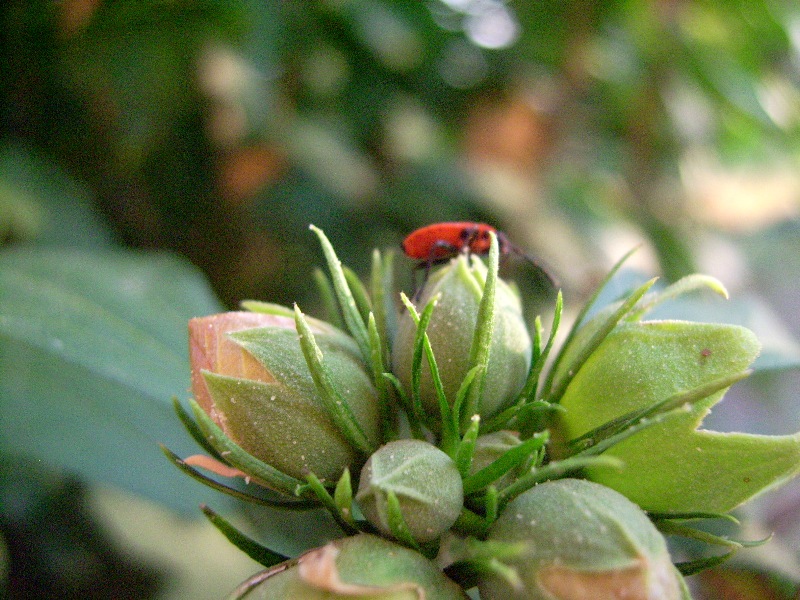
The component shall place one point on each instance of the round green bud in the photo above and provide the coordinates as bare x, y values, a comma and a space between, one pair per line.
460, 285
250, 375
581, 540
363, 567
426, 482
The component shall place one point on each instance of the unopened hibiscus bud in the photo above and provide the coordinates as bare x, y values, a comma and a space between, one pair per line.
582, 541
249, 374
359, 567
426, 482
451, 330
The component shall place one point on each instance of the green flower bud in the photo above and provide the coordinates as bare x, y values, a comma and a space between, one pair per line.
249, 374
363, 567
451, 330
581, 541
426, 482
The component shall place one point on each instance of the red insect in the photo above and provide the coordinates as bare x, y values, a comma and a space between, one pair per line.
440, 242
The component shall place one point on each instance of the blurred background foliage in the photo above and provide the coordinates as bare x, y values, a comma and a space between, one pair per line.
218, 130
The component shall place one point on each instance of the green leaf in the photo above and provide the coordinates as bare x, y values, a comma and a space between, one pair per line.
92, 349
672, 466
779, 348
578, 349
611, 433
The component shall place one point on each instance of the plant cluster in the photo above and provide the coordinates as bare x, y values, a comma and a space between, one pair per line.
457, 449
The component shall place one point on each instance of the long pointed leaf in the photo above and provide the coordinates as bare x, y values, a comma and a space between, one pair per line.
249, 546
531, 384
397, 522
554, 470
466, 448
328, 502
285, 502
360, 294
194, 430
381, 281
684, 285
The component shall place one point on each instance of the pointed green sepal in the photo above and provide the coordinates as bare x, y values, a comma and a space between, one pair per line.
466, 448
397, 522
343, 497
239, 458
276, 501
511, 459
685, 285
532, 383
344, 521
249, 546
336, 404
483, 336
554, 470
193, 429
347, 301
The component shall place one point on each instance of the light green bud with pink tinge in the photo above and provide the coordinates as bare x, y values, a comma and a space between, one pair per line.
581, 541
363, 567
249, 374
